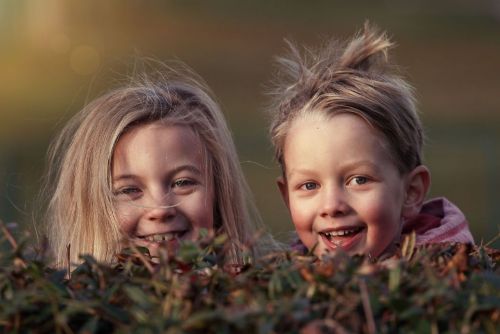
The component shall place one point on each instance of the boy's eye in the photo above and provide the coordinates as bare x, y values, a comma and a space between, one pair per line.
358, 180
309, 186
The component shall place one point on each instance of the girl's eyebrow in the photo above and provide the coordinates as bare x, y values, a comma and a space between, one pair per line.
178, 169
124, 177
189, 168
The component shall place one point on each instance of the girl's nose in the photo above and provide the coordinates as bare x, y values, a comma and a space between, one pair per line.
334, 203
162, 208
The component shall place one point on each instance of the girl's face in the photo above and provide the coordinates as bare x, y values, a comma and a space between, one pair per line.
342, 188
161, 190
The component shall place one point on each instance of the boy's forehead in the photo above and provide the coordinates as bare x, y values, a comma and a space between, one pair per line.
320, 129
317, 117
312, 114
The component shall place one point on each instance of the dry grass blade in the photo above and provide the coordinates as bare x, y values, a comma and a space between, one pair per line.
8, 235
365, 298
408, 245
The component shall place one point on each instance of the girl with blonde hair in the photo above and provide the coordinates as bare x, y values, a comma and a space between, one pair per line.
153, 162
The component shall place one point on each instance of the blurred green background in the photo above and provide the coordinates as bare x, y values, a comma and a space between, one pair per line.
57, 55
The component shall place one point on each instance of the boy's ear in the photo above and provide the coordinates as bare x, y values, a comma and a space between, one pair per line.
418, 183
280, 181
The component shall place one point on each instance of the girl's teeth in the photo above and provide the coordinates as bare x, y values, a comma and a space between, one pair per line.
161, 237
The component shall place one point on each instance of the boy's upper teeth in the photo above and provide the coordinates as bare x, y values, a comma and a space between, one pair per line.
161, 237
340, 233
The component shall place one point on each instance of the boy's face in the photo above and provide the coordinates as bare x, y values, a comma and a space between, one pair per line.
342, 188
161, 190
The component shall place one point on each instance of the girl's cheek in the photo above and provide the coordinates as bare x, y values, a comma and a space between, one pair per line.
200, 207
126, 218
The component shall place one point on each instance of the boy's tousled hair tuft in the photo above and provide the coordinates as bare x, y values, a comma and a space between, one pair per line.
355, 77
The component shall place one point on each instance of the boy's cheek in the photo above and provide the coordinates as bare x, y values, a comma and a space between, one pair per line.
300, 217
380, 240
303, 223
307, 237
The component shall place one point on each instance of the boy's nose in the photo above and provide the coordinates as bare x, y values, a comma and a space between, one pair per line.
334, 203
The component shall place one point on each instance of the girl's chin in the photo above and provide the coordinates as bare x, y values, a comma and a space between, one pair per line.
154, 248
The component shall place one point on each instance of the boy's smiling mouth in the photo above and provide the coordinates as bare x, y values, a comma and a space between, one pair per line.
345, 237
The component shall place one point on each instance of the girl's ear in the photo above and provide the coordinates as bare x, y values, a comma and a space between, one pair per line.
280, 181
418, 182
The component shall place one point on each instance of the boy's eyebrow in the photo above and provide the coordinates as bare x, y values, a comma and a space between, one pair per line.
362, 163
191, 168
349, 165
294, 171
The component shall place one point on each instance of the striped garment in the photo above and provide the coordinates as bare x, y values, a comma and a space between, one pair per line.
439, 221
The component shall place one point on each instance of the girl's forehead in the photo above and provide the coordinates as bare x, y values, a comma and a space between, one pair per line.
165, 129
163, 139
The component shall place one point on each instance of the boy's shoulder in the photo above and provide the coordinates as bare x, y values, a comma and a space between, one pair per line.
297, 246
439, 221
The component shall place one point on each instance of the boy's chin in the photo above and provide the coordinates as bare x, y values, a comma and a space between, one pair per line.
350, 246
373, 254
319, 252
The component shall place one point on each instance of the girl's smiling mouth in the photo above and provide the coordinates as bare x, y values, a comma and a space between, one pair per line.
345, 238
161, 237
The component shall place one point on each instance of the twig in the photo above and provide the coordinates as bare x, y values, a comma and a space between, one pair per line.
367, 307
8, 235
68, 257
493, 240
146, 263
18, 261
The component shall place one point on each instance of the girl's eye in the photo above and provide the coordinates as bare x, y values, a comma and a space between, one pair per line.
358, 180
309, 186
184, 186
128, 191
183, 183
